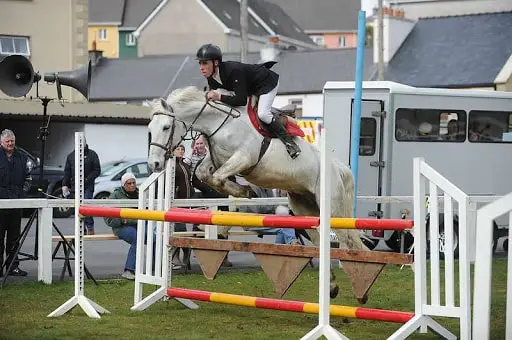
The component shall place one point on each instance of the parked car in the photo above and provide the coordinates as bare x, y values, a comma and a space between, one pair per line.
111, 173
51, 184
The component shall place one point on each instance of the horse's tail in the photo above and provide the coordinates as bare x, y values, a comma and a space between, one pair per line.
347, 178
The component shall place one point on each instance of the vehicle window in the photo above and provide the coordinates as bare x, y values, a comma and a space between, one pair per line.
430, 125
140, 170
490, 126
368, 137
111, 168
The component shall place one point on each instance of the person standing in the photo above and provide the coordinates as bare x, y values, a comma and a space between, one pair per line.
15, 182
92, 169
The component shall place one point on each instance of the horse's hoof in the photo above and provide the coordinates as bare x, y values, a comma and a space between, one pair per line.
363, 300
334, 291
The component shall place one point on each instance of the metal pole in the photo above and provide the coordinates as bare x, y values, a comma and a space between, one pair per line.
380, 65
356, 114
244, 28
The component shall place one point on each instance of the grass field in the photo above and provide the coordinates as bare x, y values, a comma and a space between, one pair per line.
24, 309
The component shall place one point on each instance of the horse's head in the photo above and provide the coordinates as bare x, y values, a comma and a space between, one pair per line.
167, 132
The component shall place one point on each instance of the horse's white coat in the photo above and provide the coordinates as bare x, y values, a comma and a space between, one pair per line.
235, 147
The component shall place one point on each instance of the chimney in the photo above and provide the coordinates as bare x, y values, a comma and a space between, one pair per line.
396, 30
270, 52
94, 54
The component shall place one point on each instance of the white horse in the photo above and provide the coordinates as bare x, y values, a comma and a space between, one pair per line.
234, 144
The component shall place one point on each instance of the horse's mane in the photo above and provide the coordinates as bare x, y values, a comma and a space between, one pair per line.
182, 96
189, 94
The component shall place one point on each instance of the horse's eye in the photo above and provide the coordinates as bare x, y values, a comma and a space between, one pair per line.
166, 127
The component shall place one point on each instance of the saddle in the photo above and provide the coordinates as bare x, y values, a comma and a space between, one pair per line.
285, 114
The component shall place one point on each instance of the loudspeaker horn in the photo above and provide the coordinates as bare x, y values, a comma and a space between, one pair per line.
17, 76
79, 79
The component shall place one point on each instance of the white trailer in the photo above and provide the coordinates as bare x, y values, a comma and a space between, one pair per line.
466, 135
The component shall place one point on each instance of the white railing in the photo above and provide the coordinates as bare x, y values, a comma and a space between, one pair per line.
483, 269
152, 262
424, 310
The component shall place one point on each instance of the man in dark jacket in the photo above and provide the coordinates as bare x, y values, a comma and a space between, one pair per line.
244, 80
92, 170
15, 181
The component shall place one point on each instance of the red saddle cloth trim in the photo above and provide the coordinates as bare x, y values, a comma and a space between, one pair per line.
291, 126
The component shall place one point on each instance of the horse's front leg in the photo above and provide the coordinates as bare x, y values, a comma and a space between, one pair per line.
207, 173
236, 164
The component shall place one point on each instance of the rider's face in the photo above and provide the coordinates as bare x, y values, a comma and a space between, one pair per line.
207, 68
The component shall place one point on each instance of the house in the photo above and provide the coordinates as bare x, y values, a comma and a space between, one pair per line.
329, 23
112, 23
302, 76
52, 35
181, 26
434, 8
462, 51
30, 29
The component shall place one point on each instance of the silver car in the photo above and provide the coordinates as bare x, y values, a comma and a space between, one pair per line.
111, 173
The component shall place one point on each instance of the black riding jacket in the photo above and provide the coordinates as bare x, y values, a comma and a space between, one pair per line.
245, 80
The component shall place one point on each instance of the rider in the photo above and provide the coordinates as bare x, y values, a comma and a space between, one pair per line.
245, 80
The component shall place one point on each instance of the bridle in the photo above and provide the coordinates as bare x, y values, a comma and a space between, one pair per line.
168, 147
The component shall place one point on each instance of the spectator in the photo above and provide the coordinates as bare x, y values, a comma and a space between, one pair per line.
283, 235
92, 170
126, 229
15, 181
183, 182
199, 152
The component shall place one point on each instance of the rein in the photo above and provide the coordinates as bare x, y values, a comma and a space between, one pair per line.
168, 147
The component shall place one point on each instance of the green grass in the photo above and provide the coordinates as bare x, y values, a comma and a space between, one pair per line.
24, 309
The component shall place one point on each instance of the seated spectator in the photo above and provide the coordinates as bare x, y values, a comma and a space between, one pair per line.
283, 235
125, 229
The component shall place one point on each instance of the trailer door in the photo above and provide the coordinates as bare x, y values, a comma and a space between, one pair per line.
371, 165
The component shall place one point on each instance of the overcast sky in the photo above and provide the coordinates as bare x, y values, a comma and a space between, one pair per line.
367, 5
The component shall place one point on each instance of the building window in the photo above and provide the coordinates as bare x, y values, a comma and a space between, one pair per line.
14, 45
318, 39
490, 126
298, 103
341, 41
430, 125
102, 34
130, 39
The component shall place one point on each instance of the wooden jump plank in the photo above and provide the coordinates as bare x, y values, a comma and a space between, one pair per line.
97, 237
295, 250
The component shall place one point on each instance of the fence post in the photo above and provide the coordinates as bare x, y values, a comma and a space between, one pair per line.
44, 251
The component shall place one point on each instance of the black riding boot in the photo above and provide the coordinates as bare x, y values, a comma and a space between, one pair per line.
277, 128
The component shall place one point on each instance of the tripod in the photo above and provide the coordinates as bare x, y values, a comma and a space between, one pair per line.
14, 253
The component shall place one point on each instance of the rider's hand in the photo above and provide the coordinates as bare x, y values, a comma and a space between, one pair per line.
212, 95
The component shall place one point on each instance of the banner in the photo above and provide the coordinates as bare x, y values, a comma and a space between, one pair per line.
312, 128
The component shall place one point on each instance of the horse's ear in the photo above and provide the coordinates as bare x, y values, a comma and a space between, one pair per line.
164, 104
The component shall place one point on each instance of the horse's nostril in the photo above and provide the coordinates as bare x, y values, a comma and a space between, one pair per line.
157, 165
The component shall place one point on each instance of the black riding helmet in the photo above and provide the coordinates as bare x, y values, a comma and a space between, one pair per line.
209, 52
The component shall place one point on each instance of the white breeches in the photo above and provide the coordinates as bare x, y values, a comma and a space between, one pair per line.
265, 105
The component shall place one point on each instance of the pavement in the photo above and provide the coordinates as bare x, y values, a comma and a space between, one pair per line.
105, 259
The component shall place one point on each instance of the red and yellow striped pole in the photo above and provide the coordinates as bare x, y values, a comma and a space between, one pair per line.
244, 219
290, 306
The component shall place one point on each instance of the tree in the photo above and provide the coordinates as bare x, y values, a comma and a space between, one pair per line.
369, 36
